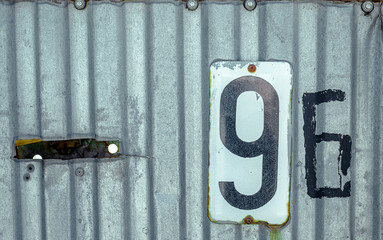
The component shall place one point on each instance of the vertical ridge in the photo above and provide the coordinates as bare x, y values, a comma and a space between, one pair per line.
72, 201
14, 126
237, 32
96, 232
18, 224
68, 97
43, 210
377, 96
205, 115
149, 117
92, 89
238, 57
69, 134
353, 112
321, 77
263, 233
295, 131
92, 117
38, 74
38, 97
238, 232
262, 32
181, 121
124, 127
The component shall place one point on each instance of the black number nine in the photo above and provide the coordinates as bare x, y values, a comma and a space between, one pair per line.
267, 144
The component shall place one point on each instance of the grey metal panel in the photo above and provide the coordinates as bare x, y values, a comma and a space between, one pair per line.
139, 73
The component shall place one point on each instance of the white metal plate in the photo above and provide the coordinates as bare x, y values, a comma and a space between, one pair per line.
249, 142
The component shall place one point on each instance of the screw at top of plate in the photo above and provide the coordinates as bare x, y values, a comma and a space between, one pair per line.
250, 5
252, 68
367, 7
79, 4
192, 5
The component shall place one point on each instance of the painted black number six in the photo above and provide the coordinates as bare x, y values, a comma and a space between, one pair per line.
310, 100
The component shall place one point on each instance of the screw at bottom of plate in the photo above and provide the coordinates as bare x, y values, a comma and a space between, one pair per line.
248, 220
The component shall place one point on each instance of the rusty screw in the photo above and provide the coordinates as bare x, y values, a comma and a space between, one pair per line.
367, 7
79, 172
248, 220
251, 68
250, 5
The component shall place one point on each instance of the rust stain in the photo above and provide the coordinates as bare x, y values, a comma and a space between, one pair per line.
19, 143
275, 233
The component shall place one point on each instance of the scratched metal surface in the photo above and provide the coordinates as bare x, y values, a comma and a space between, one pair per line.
139, 73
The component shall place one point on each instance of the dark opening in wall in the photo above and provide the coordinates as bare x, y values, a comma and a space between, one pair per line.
66, 149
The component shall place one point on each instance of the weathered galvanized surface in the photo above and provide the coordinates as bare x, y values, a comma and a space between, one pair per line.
139, 73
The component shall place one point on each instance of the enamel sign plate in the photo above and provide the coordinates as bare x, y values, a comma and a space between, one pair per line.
249, 142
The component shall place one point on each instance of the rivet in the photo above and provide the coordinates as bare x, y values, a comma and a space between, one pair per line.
30, 167
367, 7
248, 220
79, 172
192, 5
250, 5
79, 4
27, 177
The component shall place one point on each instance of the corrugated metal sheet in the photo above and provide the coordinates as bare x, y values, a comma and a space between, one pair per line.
139, 73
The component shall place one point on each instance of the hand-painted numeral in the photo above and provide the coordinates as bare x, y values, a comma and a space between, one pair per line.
310, 101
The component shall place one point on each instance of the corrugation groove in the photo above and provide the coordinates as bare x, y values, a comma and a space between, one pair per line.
68, 97
124, 91
38, 68
237, 56
205, 116
262, 37
39, 116
377, 96
294, 208
92, 116
149, 100
181, 122
321, 70
353, 112
91, 70
72, 204
14, 130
